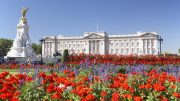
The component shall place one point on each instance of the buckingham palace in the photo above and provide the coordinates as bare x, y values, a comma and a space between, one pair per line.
140, 43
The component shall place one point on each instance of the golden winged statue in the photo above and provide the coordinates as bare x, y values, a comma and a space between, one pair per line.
23, 11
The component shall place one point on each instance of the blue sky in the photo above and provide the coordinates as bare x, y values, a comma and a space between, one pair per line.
74, 17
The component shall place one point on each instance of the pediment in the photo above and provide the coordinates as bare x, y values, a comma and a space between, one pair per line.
149, 35
48, 38
94, 36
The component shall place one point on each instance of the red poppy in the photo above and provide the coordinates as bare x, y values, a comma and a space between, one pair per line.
115, 96
103, 93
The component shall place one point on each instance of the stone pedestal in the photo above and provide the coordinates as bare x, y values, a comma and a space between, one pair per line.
21, 52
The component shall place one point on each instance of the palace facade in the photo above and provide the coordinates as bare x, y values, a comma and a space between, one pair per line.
141, 43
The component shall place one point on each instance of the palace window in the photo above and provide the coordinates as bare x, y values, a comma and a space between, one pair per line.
132, 50
137, 50
78, 45
127, 51
116, 44
117, 50
111, 51
127, 44
132, 44
122, 51
137, 44
153, 51
121, 44
111, 44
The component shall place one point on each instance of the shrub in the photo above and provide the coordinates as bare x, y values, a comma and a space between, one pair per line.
65, 57
31, 92
50, 64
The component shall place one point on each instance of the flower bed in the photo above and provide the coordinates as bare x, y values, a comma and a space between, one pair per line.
86, 87
94, 78
125, 59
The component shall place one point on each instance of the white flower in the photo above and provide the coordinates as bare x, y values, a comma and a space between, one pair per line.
61, 86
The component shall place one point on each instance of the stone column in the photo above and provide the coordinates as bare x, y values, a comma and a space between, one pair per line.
142, 52
50, 49
76, 49
150, 46
95, 45
87, 47
92, 48
146, 45
98, 46
47, 49
156, 46
53, 48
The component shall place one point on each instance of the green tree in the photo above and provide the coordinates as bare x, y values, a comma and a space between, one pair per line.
37, 48
179, 50
65, 57
5, 45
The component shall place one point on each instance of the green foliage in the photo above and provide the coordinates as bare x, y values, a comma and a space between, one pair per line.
65, 57
5, 45
122, 70
179, 50
50, 64
31, 92
37, 48
85, 72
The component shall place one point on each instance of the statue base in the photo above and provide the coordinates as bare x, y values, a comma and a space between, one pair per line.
21, 54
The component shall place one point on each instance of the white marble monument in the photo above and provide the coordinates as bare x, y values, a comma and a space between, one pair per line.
22, 43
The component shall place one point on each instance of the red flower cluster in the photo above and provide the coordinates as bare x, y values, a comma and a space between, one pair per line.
9, 85
65, 86
125, 59
56, 85
152, 82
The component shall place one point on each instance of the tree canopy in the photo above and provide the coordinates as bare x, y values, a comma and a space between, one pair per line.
37, 48
5, 45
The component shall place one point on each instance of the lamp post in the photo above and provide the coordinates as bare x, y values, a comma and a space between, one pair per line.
160, 40
41, 41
